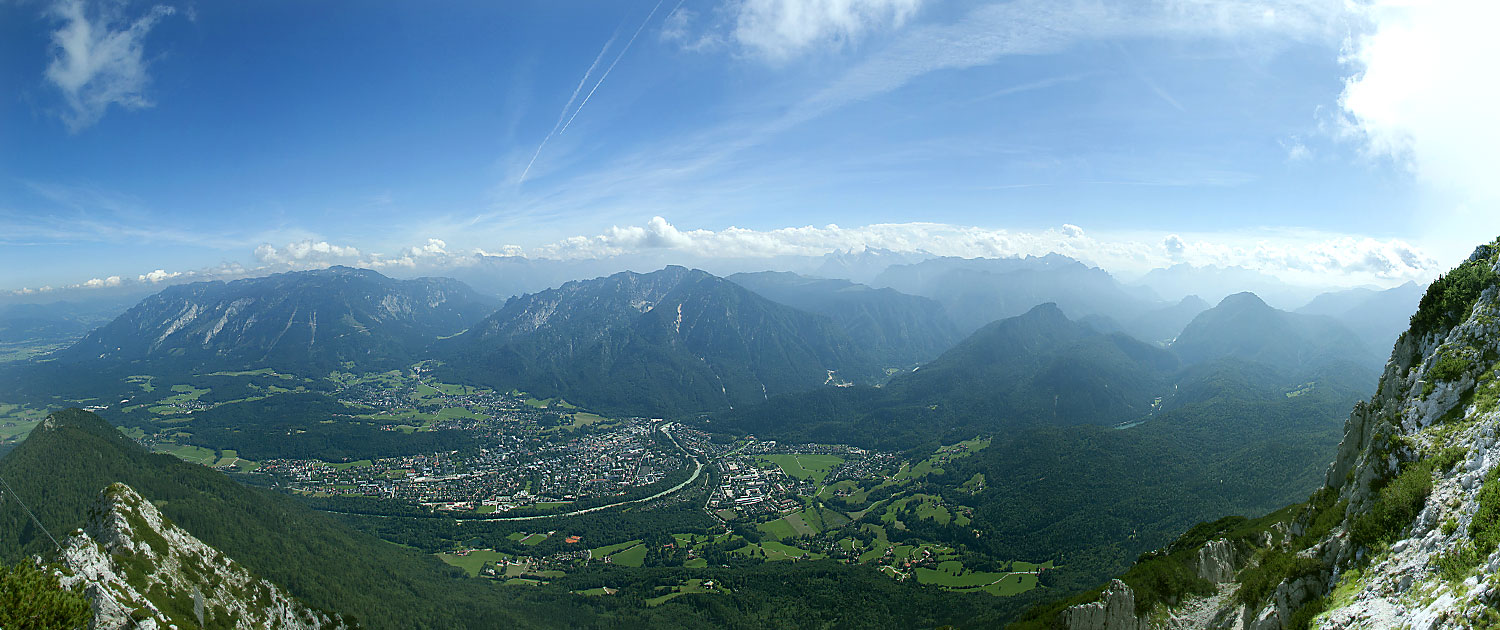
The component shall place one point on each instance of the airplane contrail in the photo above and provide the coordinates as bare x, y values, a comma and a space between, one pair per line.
611, 67
574, 97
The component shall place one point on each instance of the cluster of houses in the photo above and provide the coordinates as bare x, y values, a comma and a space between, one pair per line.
513, 471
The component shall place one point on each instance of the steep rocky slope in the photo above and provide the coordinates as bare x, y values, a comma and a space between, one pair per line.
139, 570
298, 320
1406, 531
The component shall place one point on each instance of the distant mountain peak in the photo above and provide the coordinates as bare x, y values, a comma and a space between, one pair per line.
1046, 310
1194, 301
79, 420
1243, 300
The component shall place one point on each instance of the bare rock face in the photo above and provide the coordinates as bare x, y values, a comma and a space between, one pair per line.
1218, 561
1289, 596
1115, 610
141, 571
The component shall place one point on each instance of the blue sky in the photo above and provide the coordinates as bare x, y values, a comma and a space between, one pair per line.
195, 138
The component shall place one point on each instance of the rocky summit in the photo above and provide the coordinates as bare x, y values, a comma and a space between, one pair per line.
139, 570
1404, 534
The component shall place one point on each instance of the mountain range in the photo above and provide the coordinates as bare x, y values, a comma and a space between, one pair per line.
671, 341
1041, 368
978, 291
1377, 317
1230, 405
895, 329
311, 320
1244, 326
1402, 532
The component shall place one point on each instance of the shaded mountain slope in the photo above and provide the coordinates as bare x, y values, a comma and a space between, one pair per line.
1378, 317
670, 341
976, 292
1245, 327
896, 329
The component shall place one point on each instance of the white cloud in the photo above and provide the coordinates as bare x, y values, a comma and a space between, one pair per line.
503, 251
98, 59
306, 254
1174, 246
779, 30
1421, 94
432, 253
101, 283
158, 276
1422, 91
1309, 256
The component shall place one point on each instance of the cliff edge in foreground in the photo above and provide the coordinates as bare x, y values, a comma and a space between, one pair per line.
141, 571
1406, 531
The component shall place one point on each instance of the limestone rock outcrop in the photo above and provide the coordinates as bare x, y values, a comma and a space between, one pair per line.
1115, 610
139, 570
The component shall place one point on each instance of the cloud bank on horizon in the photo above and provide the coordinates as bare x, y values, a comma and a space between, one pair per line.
1310, 259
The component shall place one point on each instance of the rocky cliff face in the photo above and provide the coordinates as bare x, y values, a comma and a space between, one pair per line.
1406, 532
141, 571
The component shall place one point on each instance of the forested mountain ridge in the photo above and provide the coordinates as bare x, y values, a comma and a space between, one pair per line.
1042, 368
666, 342
298, 320
1244, 326
896, 329
1403, 530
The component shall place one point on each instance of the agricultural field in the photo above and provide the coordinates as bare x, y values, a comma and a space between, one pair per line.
772, 551
473, 560
229, 458
806, 522
804, 465
692, 585
530, 539
14, 352
17, 421
359, 463
192, 454
543, 403
633, 556
585, 419
601, 552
